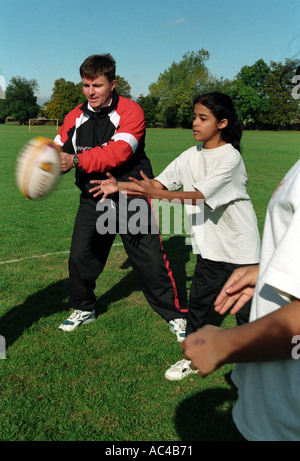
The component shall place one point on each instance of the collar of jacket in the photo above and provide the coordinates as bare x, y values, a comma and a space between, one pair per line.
105, 110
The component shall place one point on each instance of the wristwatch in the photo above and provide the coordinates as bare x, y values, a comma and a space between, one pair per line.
76, 160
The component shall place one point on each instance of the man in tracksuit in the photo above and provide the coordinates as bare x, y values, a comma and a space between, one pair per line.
107, 134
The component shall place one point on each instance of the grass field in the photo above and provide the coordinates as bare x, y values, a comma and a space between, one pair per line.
105, 381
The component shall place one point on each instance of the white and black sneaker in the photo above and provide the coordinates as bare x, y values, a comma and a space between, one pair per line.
178, 327
78, 318
180, 370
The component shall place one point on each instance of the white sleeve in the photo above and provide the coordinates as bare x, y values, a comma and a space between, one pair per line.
225, 183
282, 271
170, 177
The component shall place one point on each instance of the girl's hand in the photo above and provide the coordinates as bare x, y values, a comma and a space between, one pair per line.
143, 188
105, 186
238, 289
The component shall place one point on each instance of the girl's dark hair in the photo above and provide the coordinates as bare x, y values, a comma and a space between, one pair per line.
99, 64
221, 106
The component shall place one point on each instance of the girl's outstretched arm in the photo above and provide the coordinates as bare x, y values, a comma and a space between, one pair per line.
132, 188
142, 188
146, 188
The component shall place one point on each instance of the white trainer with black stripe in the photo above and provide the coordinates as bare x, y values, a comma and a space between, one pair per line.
180, 370
78, 318
178, 327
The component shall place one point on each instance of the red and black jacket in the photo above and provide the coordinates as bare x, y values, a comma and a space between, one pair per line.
112, 139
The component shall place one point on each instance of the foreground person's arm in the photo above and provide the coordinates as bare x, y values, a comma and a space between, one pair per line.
268, 338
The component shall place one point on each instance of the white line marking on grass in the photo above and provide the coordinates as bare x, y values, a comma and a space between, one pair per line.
11, 261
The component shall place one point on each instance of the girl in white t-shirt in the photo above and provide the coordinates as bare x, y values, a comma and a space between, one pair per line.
214, 179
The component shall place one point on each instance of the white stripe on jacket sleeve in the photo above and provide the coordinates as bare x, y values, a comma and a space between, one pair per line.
127, 137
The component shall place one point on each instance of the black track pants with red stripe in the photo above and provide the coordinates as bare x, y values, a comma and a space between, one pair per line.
93, 236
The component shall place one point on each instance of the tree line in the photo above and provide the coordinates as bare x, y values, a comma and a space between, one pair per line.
262, 93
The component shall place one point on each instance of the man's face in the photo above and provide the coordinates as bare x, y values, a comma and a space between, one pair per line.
98, 92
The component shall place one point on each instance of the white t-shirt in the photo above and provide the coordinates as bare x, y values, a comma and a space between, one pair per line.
268, 406
229, 231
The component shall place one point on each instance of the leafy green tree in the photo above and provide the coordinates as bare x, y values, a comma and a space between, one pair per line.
65, 96
177, 86
4, 111
248, 92
123, 88
284, 109
263, 97
149, 106
21, 102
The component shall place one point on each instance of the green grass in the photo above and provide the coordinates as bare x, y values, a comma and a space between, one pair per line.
105, 381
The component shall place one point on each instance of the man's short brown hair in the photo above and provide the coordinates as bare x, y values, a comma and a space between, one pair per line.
98, 64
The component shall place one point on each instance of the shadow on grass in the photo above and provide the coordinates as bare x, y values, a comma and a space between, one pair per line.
207, 416
177, 254
44, 303
52, 299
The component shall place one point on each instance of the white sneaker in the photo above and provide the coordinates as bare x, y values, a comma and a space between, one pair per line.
178, 327
179, 370
78, 318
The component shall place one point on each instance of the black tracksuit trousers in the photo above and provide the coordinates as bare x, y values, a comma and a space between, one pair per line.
91, 246
208, 280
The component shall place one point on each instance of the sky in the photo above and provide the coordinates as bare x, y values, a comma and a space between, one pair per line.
49, 39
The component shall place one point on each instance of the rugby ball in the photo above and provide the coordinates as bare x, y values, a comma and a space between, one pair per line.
38, 168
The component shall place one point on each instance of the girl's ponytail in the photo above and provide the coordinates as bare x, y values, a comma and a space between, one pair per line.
233, 134
221, 106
